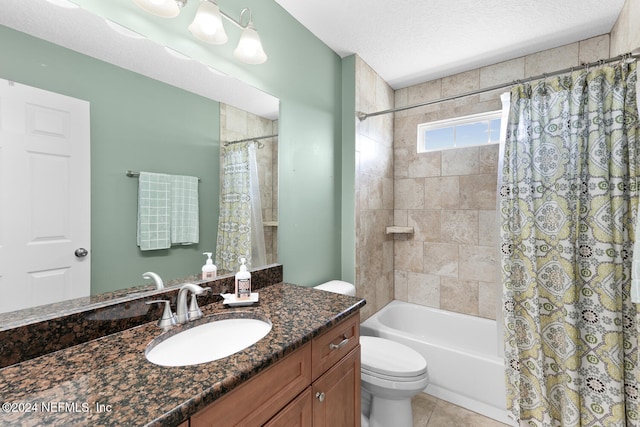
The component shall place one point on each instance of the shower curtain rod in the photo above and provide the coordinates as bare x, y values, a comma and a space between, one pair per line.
257, 138
363, 116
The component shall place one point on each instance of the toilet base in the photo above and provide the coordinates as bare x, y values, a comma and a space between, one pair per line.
389, 412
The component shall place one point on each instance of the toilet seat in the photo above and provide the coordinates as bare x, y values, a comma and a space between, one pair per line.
383, 377
390, 360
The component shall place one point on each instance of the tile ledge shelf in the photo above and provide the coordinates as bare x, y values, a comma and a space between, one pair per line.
396, 229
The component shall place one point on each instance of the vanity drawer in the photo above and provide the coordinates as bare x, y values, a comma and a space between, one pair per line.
328, 348
257, 400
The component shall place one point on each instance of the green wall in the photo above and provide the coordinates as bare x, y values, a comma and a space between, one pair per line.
136, 124
348, 161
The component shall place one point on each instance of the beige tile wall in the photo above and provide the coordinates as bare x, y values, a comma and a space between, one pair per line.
236, 124
374, 191
449, 197
625, 35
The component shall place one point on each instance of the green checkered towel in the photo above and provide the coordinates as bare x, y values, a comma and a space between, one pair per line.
184, 210
154, 211
167, 211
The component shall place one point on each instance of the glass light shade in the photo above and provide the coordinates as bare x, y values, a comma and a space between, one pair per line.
249, 48
162, 8
207, 24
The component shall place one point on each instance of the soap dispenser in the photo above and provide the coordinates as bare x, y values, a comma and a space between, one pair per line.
209, 270
243, 282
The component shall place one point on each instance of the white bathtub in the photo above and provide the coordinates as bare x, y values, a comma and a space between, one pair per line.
461, 353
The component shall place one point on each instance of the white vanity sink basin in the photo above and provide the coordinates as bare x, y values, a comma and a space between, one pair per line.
207, 342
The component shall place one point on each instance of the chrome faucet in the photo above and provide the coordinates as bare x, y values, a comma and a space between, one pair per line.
156, 279
184, 313
168, 319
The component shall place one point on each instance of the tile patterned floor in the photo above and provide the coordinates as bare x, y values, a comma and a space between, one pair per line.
429, 411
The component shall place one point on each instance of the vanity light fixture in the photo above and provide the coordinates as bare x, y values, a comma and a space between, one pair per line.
249, 48
207, 26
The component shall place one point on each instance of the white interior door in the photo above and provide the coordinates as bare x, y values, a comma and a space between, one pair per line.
44, 197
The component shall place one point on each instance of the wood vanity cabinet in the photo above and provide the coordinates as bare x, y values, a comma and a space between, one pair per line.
318, 385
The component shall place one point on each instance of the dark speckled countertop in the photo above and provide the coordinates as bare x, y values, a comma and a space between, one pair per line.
109, 382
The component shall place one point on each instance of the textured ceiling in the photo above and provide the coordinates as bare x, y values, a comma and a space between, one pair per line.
412, 41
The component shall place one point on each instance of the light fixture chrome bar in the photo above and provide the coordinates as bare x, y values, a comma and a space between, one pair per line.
230, 19
363, 116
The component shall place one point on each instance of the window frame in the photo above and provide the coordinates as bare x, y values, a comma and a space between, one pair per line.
422, 128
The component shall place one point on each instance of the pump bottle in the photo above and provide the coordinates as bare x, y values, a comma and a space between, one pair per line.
209, 270
243, 282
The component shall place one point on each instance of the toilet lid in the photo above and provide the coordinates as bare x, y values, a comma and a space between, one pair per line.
386, 357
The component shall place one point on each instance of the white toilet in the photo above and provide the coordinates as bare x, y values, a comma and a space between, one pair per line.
391, 374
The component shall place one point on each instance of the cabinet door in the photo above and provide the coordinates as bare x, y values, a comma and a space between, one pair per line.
336, 394
295, 414
260, 398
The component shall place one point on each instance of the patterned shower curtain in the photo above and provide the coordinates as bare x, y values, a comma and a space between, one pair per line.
568, 202
234, 224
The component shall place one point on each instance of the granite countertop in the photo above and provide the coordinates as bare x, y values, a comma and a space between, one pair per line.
109, 382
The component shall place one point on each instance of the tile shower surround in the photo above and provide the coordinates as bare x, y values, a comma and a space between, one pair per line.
450, 261
449, 197
72, 325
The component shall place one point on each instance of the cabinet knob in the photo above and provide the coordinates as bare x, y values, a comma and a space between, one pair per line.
320, 396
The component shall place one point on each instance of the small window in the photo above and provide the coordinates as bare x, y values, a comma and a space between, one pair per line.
467, 131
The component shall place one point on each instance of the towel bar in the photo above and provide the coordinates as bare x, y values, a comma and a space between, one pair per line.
133, 174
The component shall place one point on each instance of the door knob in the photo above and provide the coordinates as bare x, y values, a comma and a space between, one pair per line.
81, 252
320, 396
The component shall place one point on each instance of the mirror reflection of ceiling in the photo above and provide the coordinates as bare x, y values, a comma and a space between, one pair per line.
87, 33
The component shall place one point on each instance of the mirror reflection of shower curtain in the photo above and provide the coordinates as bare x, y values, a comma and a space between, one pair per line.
240, 230
258, 248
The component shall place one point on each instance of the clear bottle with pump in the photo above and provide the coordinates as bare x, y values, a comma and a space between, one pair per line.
209, 270
243, 282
